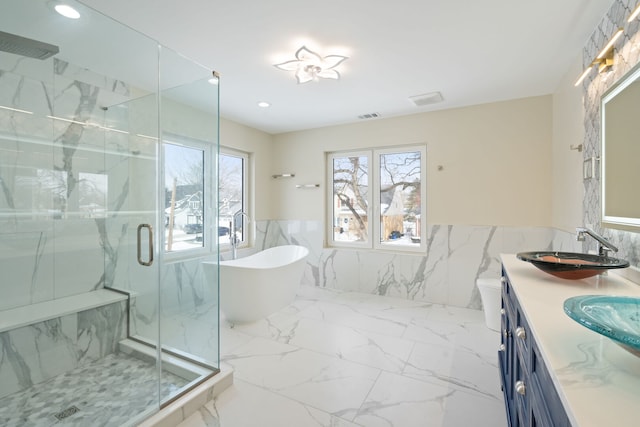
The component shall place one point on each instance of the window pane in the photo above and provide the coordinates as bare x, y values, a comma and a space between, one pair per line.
184, 202
400, 198
350, 191
231, 193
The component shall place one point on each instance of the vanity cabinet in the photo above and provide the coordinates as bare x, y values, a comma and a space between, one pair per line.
530, 397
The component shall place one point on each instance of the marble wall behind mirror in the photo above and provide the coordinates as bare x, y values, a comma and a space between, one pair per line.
626, 56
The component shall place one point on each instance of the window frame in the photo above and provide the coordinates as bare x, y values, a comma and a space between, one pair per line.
374, 241
247, 236
207, 228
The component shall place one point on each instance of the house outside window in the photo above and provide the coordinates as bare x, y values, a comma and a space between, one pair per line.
378, 198
232, 195
186, 166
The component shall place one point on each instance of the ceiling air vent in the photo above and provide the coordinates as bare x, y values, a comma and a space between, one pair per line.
426, 99
369, 116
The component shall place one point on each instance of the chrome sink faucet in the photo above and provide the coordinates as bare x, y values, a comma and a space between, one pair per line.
604, 245
233, 238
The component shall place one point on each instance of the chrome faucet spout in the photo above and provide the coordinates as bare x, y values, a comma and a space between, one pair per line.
233, 238
603, 244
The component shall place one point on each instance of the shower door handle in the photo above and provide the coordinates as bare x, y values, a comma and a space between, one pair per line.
150, 228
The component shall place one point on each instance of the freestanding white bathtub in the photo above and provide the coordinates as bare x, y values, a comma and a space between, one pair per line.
253, 287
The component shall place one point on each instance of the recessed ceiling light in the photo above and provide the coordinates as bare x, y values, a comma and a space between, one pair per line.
67, 11
264, 104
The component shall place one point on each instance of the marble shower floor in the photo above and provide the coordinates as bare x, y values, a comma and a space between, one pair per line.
109, 392
347, 359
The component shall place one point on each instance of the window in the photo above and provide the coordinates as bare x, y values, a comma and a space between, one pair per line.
186, 170
232, 188
378, 198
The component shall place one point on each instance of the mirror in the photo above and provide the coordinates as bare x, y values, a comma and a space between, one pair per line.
621, 154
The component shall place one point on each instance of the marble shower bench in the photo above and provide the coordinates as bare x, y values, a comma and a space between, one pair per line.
43, 340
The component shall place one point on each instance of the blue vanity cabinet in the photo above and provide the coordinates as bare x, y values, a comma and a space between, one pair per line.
529, 393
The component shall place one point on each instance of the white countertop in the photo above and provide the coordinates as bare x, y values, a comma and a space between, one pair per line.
597, 381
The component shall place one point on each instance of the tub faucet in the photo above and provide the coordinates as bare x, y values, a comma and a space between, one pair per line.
603, 244
233, 238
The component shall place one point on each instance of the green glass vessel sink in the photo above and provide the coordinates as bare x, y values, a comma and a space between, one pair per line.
615, 317
571, 265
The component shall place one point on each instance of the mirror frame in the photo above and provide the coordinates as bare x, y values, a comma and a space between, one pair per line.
610, 221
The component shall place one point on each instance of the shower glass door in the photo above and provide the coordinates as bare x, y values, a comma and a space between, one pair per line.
111, 326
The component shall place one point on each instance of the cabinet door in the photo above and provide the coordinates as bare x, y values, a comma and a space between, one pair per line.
549, 409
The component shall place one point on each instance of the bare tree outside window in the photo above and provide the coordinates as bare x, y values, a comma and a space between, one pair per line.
350, 189
386, 183
400, 197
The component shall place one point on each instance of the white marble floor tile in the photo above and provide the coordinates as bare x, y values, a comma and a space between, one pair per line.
468, 336
350, 316
400, 401
230, 339
385, 352
455, 368
398, 309
464, 409
328, 383
343, 359
246, 405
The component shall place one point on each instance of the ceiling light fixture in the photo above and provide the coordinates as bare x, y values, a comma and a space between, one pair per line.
264, 104
309, 66
67, 11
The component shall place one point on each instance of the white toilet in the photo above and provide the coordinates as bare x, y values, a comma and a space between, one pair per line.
491, 294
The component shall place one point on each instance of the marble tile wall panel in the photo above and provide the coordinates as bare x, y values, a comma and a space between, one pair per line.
26, 263
456, 257
188, 312
58, 178
626, 56
38, 352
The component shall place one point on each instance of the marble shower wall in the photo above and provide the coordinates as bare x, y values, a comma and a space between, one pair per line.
456, 257
64, 183
626, 56
188, 311
65, 211
43, 350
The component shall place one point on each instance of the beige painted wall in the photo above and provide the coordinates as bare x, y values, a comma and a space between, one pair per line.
496, 162
568, 129
260, 146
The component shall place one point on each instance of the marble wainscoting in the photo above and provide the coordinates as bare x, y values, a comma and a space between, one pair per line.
456, 257
43, 350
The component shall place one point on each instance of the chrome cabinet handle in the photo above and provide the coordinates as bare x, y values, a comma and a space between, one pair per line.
505, 334
501, 348
521, 333
503, 280
140, 260
502, 311
520, 388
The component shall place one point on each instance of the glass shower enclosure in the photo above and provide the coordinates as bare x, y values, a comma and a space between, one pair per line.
108, 147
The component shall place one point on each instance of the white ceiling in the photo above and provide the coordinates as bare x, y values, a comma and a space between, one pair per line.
472, 51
